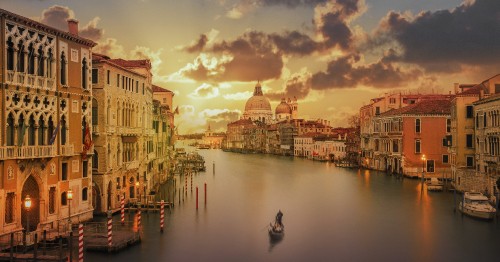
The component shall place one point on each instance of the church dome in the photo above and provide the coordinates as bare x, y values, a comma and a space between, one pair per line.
283, 108
258, 101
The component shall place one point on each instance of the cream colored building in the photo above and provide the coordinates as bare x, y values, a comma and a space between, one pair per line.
123, 131
46, 102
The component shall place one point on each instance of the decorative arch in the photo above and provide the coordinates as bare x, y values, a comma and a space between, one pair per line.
30, 218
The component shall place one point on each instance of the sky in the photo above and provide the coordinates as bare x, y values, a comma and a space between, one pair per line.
332, 55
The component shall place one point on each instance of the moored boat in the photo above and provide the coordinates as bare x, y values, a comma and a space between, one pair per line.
434, 184
276, 231
476, 205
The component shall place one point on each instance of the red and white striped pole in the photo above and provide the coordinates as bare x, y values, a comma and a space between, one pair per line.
80, 243
139, 217
122, 207
110, 229
191, 182
186, 179
162, 215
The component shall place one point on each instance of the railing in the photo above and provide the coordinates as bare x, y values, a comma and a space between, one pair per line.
24, 79
67, 150
10, 76
15, 152
111, 129
95, 129
131, 165
494, 159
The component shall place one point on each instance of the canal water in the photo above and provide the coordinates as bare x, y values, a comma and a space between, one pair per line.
330, 214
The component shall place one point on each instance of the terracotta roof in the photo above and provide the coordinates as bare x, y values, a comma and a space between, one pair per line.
158, 89
476, 90
132, 63
424, 107
243, 121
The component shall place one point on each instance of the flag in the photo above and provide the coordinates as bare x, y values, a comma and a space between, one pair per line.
87, 141
176, 111
20, 139
54, 133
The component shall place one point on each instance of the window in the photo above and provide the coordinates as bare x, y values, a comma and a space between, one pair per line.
64, 171
108, 73
10, 54
395, 146
417, 146
445, 159
469, 112
117, 80
9, 207
484, 120
448, 125
95, 75
377, 110
85, 167
64, 199
469, 141
63, 69
85, 70
470, 161
497, 88
392, 100
85, 194
52, 200
417, 125
430, 166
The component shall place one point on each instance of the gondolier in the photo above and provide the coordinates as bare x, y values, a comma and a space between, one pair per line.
279, 217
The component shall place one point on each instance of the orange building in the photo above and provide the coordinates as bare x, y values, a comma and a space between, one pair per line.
409, 140
45, 139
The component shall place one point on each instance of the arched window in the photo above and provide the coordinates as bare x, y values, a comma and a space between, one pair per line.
41, 67
49, 60
50, 130
31, 59
95, 112
84, 194
64, 199
63, 68
84, 73
20, 57
10, 130
31, 131
21, 130
95, 160
41, 131
10, 54
63, 130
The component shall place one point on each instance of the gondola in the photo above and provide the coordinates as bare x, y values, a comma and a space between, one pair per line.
276, 231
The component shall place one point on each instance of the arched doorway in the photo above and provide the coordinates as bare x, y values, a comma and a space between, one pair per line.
96, 199
109, 195
131, 188
30, 188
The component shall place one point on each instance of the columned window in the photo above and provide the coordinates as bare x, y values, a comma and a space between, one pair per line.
63, 69
84, 73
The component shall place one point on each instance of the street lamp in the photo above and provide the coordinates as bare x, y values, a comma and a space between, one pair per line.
27, 205
70, 197
138, 190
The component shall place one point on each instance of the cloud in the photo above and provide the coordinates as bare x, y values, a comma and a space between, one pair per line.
443, 40
244, 7
344, 73
90, 30
205, 91
297, 85
197, 46
57, 16
238, 96
191, 122
111, 48
219, 118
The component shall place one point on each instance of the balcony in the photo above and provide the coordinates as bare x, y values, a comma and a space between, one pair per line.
95, 129
110, 130
23, 79
491, 159
492, 130
22, 152
131, 165
67, 150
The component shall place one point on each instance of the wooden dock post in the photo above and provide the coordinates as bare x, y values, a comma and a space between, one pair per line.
213, 167
11, 246
35, 247
70, 245
44, 241
122, 210
196, 198
205, 193
80, 243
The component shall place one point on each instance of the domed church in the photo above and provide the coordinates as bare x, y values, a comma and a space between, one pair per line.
258, 107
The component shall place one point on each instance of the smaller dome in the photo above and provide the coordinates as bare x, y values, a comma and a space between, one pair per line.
283, 108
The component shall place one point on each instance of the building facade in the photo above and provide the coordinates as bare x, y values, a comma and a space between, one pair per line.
46, 111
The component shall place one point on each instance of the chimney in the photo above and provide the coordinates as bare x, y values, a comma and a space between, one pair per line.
481, 94
73, 26
456, 88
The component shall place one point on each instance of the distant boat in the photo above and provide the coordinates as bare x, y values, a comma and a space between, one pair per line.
434, 184
203, 146
476, 205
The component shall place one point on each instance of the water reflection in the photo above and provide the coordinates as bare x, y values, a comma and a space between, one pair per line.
274, 241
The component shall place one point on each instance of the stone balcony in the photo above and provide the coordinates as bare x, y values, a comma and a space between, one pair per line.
95, 129
30, 80
67, 150
24, 152
491, 159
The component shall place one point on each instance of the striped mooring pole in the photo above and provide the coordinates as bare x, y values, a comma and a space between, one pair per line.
162, 215
122, 209
80, 243
110, 229
186, 179
139, 217
191, 182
